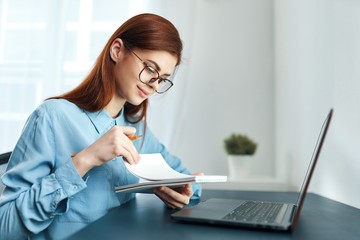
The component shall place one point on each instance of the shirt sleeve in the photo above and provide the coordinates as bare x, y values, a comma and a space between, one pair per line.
35, 188
153, 145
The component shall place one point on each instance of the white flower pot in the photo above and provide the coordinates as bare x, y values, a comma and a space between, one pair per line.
239, 166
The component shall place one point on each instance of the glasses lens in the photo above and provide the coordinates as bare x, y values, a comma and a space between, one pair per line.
147, 74
164, 85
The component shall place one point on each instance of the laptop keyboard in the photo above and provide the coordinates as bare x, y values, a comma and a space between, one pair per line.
260, 212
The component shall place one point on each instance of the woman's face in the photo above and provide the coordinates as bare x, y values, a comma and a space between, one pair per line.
129, 64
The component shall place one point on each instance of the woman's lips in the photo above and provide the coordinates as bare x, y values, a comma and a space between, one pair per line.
143, 93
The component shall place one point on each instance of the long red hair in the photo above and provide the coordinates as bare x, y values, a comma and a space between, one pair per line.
145, 31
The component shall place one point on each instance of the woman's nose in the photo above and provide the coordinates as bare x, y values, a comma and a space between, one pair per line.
155, 84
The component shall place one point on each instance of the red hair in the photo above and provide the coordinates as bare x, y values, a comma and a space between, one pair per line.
145, 31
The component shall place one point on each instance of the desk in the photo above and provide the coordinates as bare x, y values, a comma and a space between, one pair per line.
148, 218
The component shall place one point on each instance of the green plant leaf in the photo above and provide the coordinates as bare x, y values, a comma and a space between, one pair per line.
239, 144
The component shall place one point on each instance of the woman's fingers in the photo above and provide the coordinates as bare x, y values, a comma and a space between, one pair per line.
167, 199
124, 146
175, 199
113, 143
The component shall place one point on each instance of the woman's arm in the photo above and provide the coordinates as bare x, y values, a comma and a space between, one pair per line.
35, 190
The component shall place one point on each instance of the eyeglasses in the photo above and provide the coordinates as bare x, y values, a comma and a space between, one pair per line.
149, 75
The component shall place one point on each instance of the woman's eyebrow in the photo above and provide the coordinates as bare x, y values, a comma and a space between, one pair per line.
155, 64
158, 67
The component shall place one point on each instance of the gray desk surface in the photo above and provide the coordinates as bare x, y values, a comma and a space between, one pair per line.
148, 218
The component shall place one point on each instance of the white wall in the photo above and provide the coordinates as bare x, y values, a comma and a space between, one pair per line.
229, 84
273, 75
317, 55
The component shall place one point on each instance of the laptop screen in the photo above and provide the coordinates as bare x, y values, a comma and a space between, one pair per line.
310, 170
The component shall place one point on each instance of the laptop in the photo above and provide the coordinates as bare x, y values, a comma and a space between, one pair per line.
255, 214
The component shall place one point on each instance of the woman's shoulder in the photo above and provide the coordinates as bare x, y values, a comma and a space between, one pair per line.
58, 106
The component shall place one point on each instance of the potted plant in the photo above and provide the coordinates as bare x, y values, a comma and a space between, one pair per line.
240, 149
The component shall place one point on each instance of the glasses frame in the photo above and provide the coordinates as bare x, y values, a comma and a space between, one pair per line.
152, 80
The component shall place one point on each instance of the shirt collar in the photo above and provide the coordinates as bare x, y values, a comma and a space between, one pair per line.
102, 121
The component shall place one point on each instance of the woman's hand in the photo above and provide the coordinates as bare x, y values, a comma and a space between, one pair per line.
177, 197
112, 144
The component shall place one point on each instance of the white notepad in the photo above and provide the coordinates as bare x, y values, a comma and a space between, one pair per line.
153, 171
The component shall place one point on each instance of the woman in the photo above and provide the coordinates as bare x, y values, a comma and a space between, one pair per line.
70, 156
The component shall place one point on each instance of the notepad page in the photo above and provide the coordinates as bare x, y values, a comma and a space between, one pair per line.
154, 167
210, 178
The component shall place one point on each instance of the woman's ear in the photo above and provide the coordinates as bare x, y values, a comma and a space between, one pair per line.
116, 48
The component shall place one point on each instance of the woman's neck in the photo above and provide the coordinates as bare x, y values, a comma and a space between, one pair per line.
114, 106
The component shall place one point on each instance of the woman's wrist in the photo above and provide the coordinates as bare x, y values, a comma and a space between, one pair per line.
81, 163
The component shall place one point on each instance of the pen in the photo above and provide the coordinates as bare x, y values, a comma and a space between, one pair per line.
132, 138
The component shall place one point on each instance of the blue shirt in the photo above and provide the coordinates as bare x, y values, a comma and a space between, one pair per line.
45, 197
